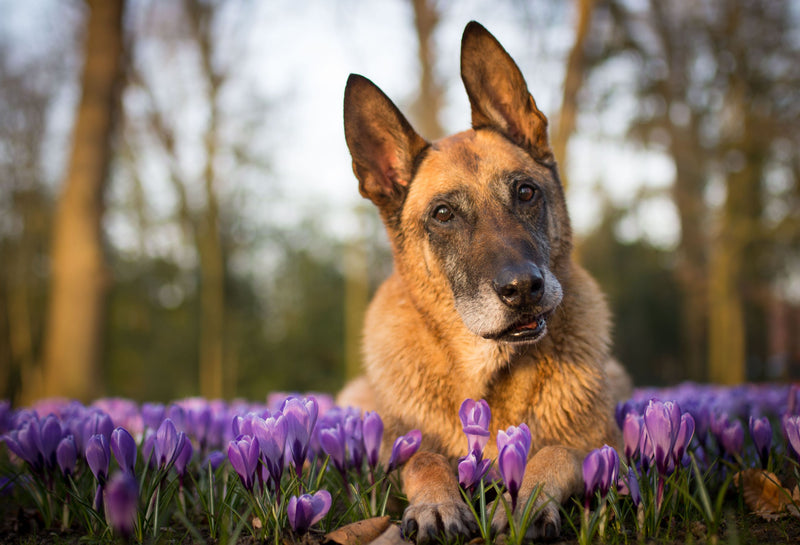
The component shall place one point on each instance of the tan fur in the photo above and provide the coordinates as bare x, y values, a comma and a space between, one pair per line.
421, 360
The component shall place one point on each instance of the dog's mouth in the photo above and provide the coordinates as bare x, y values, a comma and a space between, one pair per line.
528, 329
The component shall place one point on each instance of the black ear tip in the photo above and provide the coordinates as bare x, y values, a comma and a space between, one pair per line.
474, 28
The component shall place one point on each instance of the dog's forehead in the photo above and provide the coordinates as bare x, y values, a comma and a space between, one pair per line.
468, 162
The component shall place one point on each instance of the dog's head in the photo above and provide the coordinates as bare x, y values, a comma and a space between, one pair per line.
477, 220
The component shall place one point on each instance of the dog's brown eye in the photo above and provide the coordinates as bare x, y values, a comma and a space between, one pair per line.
443, 214
525, 193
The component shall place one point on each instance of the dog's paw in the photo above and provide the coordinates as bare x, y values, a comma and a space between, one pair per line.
545, 519
425, 522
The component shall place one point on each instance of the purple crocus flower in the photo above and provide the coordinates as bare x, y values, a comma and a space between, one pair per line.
731, 437
50, 433
633, 487
168, 444
98, 456
66, 455
600, 471
471, 470
123, 446
243, 454
153, 415
663, 421
354, 438
404, 448
683, 438
301, 416
271, 433
121, 500
306, 510
791, 430
333, 441
475, 418
183, 458
514, 444
26, 442
373, 435
761, 432
632, 435
97, 422
214, 459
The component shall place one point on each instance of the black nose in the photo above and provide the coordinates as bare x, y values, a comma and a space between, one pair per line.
520, 285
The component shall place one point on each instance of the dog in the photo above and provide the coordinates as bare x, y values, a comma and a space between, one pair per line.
485, 300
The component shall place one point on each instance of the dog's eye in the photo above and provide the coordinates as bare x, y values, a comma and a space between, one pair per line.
443, 214
526, 192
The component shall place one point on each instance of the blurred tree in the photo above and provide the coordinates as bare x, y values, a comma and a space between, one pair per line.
646, 320
713, 84
79, 274
25, 209
576, 68
426, 108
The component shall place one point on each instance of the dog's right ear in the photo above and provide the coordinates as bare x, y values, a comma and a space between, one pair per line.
382, 143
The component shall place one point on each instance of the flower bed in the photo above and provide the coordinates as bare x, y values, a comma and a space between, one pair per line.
296, 467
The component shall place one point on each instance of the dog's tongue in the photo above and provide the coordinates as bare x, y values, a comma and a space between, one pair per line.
536, 324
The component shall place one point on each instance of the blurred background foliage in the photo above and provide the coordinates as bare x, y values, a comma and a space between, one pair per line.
222, 265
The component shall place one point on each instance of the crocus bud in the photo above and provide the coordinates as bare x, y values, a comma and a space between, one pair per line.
761, 432
168, 443
271, 434
243, 454
373, 435
471, 470
732, 438
791, 430
332, 440
514, 444
631, 435
684, 438
306, 510
50, 432
121, 501
124, 448
67, 455
404, 447
184, 457
475, 418
662, 420
97, 456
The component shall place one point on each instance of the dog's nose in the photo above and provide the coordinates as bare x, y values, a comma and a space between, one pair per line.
520, 285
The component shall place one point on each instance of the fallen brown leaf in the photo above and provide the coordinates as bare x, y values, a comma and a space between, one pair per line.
764, 495
358, 533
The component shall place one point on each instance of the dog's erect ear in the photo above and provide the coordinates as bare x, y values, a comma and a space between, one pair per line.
382, 143
498, 94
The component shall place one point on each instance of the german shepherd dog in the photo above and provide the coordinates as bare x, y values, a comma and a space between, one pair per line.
485, 301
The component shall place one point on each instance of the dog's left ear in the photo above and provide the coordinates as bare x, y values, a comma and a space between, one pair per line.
498, 93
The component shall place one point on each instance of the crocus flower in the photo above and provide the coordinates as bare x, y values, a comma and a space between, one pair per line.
631, 435
354, 438
663, 421
214, 459
761, 432
183, 458
600, 471
731, 437
168, 443
514, 444
123, 446
471, 470
332, 439
121, 500
26, 442
791, 429
684, 438
306, 510
404, 448
243, 454
66, 455
301, 416
96, 422
373, 435
271, 433
153, 415
97, 456
475, 418
50, 433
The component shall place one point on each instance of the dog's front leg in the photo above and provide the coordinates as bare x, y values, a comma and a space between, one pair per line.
435, 506
559, 471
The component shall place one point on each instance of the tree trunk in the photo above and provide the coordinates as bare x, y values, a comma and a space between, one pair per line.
573, 79
426, 107
80, 277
